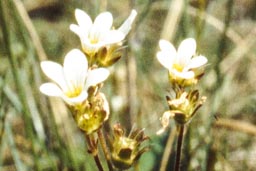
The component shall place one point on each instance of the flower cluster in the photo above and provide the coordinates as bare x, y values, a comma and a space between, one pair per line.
78, 81
185, 69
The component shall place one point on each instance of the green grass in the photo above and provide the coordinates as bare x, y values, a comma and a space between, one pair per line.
38, 133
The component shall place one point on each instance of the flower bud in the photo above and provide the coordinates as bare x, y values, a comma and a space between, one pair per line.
182, 108
90, 115
109, 55
125, 151
185, 106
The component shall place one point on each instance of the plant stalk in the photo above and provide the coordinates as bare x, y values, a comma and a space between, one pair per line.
92, 148
105, 148
180, 129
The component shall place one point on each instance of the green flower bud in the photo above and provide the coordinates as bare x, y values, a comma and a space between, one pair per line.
90, 115
185, 106
182, 108
108, 55
125, 151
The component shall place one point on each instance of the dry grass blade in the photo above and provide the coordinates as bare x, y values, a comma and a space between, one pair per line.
217, 24
14, 151
237, 125
243, 47
172, 19
31, 29
167, 150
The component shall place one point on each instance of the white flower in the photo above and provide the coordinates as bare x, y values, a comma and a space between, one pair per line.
73, 79
183, 62
99, 33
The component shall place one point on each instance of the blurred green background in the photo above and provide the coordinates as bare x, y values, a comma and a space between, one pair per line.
38, 133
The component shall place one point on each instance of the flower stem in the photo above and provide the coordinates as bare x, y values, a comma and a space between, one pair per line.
180, 129
92, 148
97, 161
105, 148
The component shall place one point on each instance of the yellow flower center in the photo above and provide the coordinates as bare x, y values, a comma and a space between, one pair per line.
75, 92
94, 41
94, 37
178, 67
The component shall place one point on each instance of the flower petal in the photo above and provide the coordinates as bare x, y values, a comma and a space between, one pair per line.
96, 76
113, 36
103, 21
91, 48
197, 61
165, 121
78, 99
77, 30
83, 19
186, 50
51, 89
168, 47
54, 71
184, 75
165, 59
126, 26
75, 68
166, 117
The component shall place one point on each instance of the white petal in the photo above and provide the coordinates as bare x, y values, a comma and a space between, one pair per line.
54, 71
96, 76
75, 100
159, 132
186, 50
165, 121
168, 47
165, 59
75, 68
83, 19
91, 48
77, 30
51, 89
113, 36
197, 62
126, 26
103, 21
184, 75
